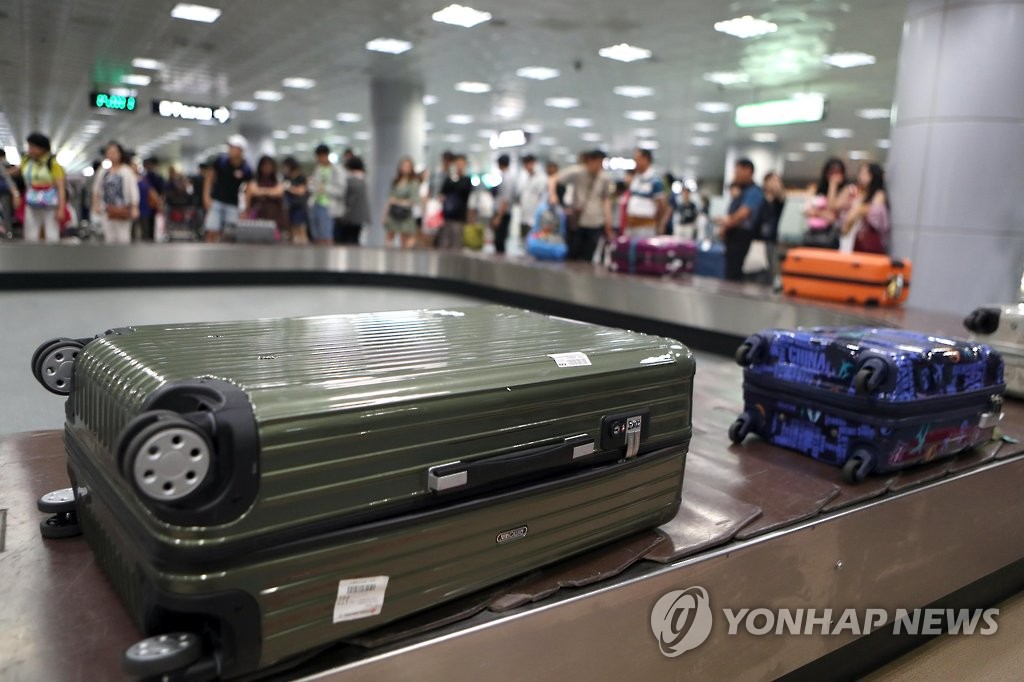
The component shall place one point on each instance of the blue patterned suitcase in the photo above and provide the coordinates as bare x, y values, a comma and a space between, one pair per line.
868, 400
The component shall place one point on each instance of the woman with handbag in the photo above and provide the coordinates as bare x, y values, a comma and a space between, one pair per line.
115, 197
45, 193
404, 193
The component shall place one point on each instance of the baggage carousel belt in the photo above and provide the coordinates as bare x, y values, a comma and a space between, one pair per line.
62, 620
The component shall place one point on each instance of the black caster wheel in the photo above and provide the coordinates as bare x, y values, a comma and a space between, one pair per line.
168, 459
983, 321
53, 364
870, 376
57, 501
60, 526
741, 428
858, 465
750, 351
161, 655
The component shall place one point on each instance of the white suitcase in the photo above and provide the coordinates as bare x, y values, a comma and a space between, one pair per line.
1002, 327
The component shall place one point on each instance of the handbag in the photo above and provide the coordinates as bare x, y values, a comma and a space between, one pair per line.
119, 212
399, 213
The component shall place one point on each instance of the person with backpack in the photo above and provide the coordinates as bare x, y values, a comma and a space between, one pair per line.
45, 191
223, 179
115, 196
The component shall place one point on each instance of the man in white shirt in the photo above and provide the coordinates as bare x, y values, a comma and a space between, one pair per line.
647, 213
533, 188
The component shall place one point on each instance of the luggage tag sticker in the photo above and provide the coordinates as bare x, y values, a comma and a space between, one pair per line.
360, 598
576, 359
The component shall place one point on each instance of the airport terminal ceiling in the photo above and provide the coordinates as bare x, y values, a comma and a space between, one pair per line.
55, 54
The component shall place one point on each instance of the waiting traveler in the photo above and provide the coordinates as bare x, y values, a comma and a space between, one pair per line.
223, 180
356, 211
687, 214
403, 197
45, 193
774, 202
589, 215
533, 188
152, 201
745, 215
327, 196
115, 198
264, 196
868, 215
9, 197
296, 195
503, 206
827, 199
647, 211
455, 193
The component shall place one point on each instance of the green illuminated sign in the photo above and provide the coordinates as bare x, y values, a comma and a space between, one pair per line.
106, 100
800, 109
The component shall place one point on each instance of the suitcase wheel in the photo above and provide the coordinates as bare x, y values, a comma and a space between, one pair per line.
169, 459
750, 351
741, 428
53, 364
160, 655
859, 464
57, 501
983, 321
60, 526
870, 376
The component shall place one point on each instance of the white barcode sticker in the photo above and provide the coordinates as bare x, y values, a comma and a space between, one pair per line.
360, 598
570, 359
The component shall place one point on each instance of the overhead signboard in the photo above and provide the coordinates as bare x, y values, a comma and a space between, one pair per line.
108, 100
801, 109
191, 112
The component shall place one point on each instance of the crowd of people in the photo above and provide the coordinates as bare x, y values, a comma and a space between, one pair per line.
446, 209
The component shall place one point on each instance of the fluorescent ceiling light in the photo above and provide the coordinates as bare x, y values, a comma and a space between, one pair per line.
640, 115
280, 134
714, 107
874, 114
648, 144
838, 133
299, 83
268, 95
297, 130
794, 156
700, 141
858, 155
243, 105
578, 122
805, 109
727, 77
746, 27
533, 128
453, 137
200, 13
548, 141
591, 137
362, 135
537, 73
704, 127
429, 100
634, 91
815, 147
349, 117
389, 45
459, 119
320, 123
136, 79
562, 102
624, 52
764, 137
882, 144
846, 60
143, 63
507, 139
473, 87
645, 132
460, 15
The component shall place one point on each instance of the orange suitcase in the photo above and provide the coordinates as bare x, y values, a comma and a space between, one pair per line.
863, 278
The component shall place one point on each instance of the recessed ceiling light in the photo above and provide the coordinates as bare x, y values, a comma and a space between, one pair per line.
320, 123
460, 15
746, 27
280, 134
591, 137
268, 95
537, 73
874, 114
299, 83
453, 137
297, 130
562, 102
794, 156
349, 117
701, 141
641, 115
362, 135
389, 45
882, 144
764, 137
243, 105
634, 91
838, 133
714, 107
645, 132
136, 79
703, 127
429, 100
200, 13
624, 52
648, 144
473, 87
727, 77
846, 60
459, 119
143, 63
815, 147
578, 122
532, 128
858, 155
548, 141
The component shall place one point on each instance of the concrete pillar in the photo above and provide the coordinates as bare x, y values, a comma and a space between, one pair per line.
398, 121
957, 152
765, 157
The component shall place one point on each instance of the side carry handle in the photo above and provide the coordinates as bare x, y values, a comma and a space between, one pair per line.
482, 473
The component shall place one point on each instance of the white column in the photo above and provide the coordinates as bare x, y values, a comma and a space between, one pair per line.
397, 120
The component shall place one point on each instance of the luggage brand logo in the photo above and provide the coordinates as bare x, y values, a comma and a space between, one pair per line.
681, 620
513, 534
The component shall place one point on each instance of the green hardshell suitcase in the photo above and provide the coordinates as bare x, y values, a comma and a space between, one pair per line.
256, 490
